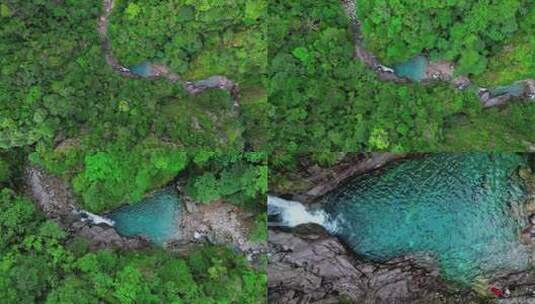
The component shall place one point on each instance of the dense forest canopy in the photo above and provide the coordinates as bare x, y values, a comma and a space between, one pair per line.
196, 39
106, 179
466, 32
325, 100
56, 82
41, 263
115, 139
99, 129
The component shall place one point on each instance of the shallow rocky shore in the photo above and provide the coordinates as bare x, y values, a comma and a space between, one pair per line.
219, 223
307, 265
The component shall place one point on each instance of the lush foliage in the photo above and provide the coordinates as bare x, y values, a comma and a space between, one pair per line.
196, 39
325, 100
516, 60
56, 84
106, 178
109, 176
240, 177
39, 263
507, 129
115, 139
460, 31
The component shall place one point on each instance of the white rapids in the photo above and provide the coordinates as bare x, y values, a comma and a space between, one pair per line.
94, 218
293, 213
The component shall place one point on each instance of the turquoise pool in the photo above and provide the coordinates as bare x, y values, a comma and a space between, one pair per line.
463, 210
143, 69
413, 69
155, 218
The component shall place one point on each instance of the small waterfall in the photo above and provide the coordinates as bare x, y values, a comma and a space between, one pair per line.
94, 218
293, 213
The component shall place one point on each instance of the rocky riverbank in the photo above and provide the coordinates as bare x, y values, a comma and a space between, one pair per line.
56, 200
314, 181
219, 223
307, 265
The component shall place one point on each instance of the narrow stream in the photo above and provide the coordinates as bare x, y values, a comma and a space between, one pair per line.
416, 68
463, 210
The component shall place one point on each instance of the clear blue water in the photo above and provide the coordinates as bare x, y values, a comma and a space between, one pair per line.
516, 89
155, 218
464, 210
413, 69
142, 69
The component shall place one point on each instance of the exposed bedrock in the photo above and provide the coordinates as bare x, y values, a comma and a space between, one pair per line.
307, 265
218, 223
310, 266
316, 181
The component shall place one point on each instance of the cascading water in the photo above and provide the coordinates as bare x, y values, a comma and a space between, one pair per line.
463, 210
94, 218
292, 213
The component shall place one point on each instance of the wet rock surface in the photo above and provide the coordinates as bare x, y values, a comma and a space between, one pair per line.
218, 223
309, 266
50, 193
336, 175
520, 287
